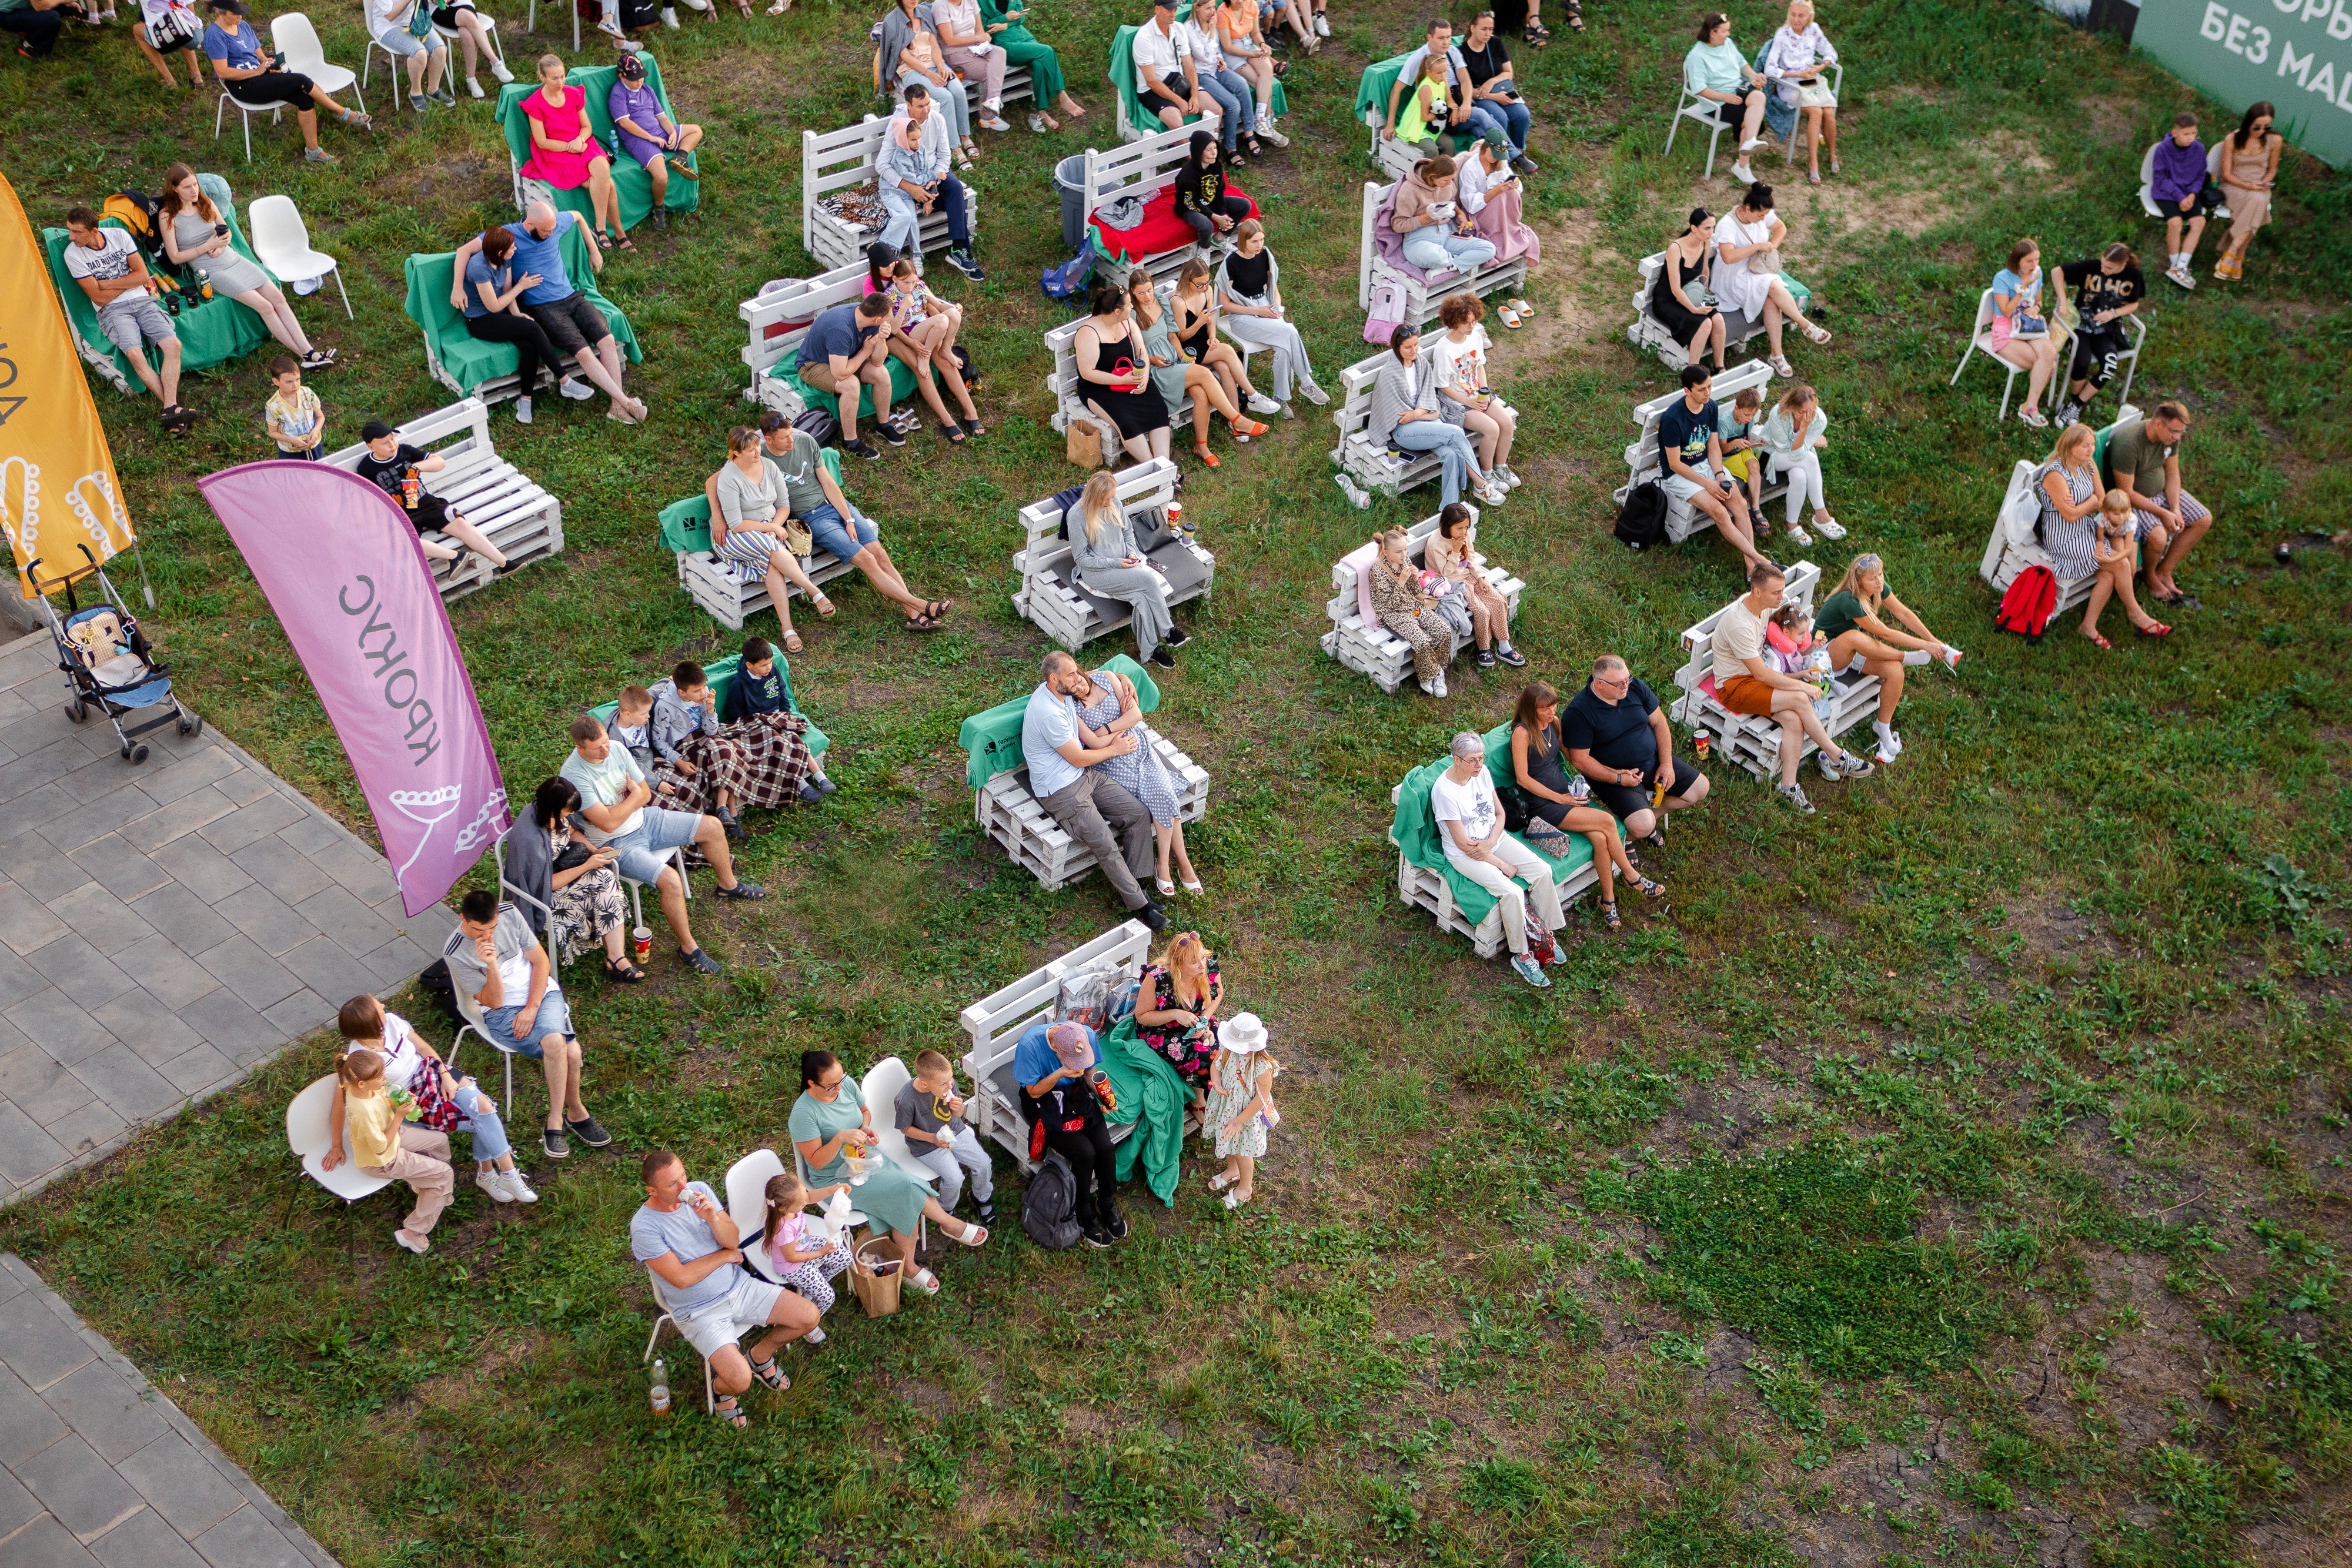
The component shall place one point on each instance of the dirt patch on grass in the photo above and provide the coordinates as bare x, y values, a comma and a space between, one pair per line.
2110, 120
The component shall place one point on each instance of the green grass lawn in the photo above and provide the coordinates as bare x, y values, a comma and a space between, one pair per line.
1957, 1176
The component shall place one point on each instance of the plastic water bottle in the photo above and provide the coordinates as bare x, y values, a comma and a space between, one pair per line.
661, 1389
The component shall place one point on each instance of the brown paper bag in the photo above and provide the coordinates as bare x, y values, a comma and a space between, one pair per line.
874, 1271
1083, 441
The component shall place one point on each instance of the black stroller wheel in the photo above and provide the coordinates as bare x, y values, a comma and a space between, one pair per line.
76, 712
189, 723
134, 752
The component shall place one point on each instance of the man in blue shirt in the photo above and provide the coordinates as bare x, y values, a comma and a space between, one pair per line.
1052, 1063
249, 74
573, 324
1087, 804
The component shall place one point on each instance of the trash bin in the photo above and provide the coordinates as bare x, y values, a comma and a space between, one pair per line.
1070, 179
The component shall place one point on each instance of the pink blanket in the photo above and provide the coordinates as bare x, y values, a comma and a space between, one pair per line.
1499, 221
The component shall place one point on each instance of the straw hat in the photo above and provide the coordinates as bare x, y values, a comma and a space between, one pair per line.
1242, 1033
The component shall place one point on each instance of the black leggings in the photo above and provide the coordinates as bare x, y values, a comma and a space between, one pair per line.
529, 338
39, 29
271, 89
1231, 206
1089, 1153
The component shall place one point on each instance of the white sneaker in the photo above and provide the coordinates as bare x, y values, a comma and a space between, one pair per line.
1509, 477
520, 1187
1493, 494
1315, 395
522, 410
499, 69
474, 86
575, 389
1890, 744
1261, 404
1322, 27
1440, 683
612, 29
1426, 689
669, 19
1750, 145
495, 1183
1266, 129
1743, 173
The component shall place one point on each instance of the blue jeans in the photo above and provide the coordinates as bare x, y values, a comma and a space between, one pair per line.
1510, 118
489, 1132
1433, 249
1450, 441
904, 231
1236, 103
837, 536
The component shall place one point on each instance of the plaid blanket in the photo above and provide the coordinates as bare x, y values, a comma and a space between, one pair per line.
761, 760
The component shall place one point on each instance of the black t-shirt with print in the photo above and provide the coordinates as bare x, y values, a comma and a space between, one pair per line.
2095, 291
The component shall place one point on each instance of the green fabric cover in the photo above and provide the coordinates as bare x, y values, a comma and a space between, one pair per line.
1417, 833
902, 387
214, 332
471, 361
992, 739
1152, 1093
721, 675
636, 185
1372, 88
1122, 76
685, 525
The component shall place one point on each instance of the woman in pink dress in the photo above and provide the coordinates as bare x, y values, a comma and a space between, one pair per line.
565, 152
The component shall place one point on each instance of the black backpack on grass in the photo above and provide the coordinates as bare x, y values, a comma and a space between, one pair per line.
1641, 521
1049, 1205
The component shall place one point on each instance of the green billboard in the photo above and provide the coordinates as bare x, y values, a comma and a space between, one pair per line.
2297, 54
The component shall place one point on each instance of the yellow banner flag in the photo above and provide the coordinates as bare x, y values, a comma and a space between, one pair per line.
57, 488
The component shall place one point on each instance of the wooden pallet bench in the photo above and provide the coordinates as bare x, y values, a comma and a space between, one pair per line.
777, 321
1642, 461
842, 160
993, 1026
523, 520
1363, 643
1424, 295
720, 586
1068, 388
1365, 456
1750, 742
2012, 548
1422, 887
1071, 615
1649, 335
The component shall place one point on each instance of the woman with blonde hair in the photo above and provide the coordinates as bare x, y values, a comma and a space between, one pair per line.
1107, 708
1854, 620
1177, 1013
1794, 61
1793, 438
1409, 614
1109, 563
565, 153
1176, 377
383, 1143
195, 236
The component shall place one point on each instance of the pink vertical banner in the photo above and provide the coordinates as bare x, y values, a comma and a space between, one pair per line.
342, 568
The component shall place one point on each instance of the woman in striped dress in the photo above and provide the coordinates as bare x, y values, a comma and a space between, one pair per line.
748, 511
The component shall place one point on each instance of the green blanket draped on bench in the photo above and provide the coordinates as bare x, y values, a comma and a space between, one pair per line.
1372, 89
685, 525
468, 359
212, 332
1417, 833
637, 187
1150, 1092
902, 389
722, 675
992, 738
1122, 76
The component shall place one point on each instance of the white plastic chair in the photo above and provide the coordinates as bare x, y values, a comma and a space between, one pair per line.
858, 1217
531, 22
295, 42
470, 1010
244, 113
310, 1133
1797, 131
747, 1206
661, 1300
282, 240
881, 1085
1980, 342
1688, 105
2147, 181
456, 41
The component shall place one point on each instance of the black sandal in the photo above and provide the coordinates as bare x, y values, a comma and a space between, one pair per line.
973, 426
938, 609
954, 434
921, 623
1609, 913
728, 1411
624, 971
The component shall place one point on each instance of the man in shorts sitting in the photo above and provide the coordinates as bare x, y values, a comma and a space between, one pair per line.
1614, 733
615, 810
494, 958
2143, 461
570, 318
108, 265
683, 1234
1747, 682
1690, 463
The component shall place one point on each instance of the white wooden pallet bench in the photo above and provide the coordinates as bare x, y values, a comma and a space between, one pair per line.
1071, 615
1141, 169
994, 1025
1424, 887
1752, 742
1360, 641
1068, 387
720, 586
1366, 455
1648, 334
776, 323
842, 160
1423, 295
1642, 461
523, 520
2012, 548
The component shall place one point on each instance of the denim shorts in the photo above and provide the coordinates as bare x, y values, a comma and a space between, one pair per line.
645, 852
554, 1018
834, 537
400, 41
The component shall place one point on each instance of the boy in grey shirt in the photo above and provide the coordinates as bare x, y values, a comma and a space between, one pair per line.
930, 1113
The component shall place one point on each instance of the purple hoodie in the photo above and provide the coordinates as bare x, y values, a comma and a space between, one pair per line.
2179, 172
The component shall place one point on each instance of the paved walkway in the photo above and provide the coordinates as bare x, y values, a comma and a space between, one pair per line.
97, 1468
164, 928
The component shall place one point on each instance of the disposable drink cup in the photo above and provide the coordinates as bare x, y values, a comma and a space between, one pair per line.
642, 939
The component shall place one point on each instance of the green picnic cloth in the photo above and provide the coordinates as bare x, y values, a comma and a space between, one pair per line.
212, 332
1149, 1092
636, 185
1372, 89
471, 361
992, 738
902, 387
1122, 76
722, 675
1418, 834
685, 525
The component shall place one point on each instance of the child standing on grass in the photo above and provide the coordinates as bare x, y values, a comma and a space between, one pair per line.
297, 422
797, 1259
930, 1113
385, 1144
1240, 1111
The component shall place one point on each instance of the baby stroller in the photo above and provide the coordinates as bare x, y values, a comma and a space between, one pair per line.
107, 659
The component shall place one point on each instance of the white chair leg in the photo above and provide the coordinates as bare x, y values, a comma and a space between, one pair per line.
1712, 142
653, 1336
1674, 128
247, 119
710, 1390
339, 281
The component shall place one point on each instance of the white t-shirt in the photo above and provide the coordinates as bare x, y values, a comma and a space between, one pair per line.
379, 17
604, 784
1461, 366
110, 260
1207, 51
402, 1060
1471, 180
1473, 805
1738, 637
962, 20
1158, 56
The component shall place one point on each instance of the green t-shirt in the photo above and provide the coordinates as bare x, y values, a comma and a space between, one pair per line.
1839, 614
2133, 455
803, 489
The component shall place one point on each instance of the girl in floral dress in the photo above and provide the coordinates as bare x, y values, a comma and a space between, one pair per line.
1240, 1112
